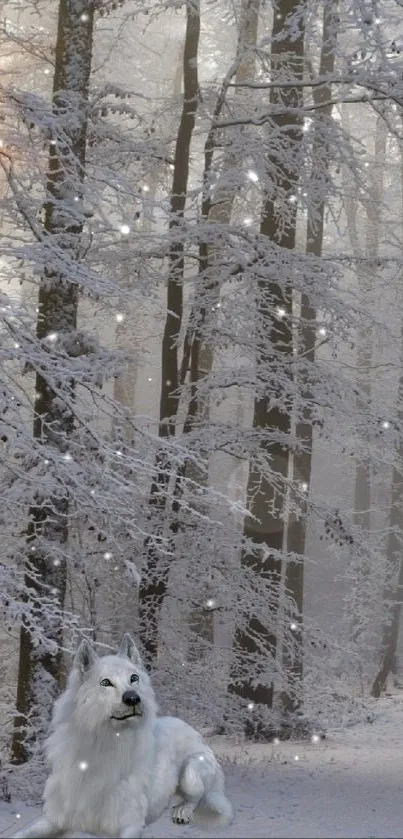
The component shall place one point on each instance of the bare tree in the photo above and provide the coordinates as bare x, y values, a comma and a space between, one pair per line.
217, 208
321, 158
393, 595
366, 257
47, 532
264, 527
155, 572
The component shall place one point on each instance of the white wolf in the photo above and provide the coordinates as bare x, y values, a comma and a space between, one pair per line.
115, 765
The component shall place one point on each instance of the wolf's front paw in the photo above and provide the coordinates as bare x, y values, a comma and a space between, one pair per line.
182, 814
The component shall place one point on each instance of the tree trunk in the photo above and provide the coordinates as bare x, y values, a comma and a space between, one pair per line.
394, 592
393, 596
124, 388
45, 573
366, 272
264, 529
154, 578
302, 458
216, 210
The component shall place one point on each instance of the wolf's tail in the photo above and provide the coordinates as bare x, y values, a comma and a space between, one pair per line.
214, 808
203, 776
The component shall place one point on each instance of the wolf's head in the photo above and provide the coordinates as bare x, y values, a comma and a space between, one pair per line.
112, 689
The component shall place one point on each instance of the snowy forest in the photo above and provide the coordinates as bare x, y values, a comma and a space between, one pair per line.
201, 383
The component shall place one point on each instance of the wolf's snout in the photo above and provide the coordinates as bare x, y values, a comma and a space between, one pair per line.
130, 697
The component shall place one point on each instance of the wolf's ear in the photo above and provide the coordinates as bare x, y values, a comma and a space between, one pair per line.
85, 656
129, 650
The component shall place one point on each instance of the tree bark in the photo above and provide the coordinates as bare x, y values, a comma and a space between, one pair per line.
124, 388
255, 641
154, 578
47, 533
366, 272
394, 591
302, 458
393, 596
216, 210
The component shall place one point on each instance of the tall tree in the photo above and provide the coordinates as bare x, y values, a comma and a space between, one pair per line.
264, 527
366, 256
321, 158
217, 209
394, 589
393, 593
48, 525
155, 572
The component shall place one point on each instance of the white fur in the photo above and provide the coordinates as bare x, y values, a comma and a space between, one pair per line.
113, 777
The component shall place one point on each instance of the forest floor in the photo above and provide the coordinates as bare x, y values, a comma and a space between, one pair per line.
347, 785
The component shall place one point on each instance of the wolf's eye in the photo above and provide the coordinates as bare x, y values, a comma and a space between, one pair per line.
106, 683
134, 678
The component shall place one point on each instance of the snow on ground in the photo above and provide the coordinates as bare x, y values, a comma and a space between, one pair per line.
348, 785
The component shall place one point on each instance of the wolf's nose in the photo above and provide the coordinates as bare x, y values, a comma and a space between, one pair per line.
130, 697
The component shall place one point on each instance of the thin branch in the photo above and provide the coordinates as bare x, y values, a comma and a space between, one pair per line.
299, 112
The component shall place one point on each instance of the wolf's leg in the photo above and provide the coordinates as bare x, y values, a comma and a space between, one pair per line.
133, 818
132, 831
133, 813
40, 829
80, 835
197, 776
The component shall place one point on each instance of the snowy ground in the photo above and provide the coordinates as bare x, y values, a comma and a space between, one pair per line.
349, 785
